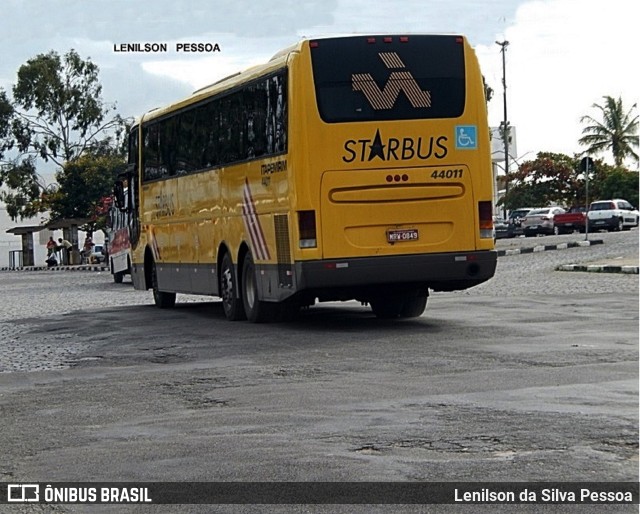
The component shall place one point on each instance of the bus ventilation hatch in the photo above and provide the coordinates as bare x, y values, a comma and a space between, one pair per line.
283, 249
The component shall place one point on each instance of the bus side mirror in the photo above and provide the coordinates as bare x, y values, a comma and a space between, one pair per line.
119, 196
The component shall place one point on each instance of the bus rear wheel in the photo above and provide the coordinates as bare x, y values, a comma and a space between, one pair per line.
410, 304
256, 310
414, 306
162, 299
231, 303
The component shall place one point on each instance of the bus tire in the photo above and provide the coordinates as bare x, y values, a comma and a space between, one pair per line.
231, 302
387, 307
414, 306
256, 310
407, 304
162, 299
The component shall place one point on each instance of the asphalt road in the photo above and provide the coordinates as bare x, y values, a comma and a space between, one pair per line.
530, 377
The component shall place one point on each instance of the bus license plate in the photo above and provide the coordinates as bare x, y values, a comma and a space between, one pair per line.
399, 235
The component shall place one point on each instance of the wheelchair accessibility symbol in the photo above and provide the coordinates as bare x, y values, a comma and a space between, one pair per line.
466, 137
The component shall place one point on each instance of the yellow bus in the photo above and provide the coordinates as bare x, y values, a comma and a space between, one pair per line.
344, 168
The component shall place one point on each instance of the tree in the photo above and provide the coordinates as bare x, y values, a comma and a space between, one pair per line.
488, 90
6, 116
57, 115
62, 113
22, 195
556, 179
616, 131
620, 183
84, 183
549, 179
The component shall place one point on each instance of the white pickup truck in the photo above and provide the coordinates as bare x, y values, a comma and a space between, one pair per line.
612, 215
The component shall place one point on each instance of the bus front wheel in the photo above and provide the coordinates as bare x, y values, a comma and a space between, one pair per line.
256, 310
162, 299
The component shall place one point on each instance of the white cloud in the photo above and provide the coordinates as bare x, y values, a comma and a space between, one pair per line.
564, 56
201, 69
197, 73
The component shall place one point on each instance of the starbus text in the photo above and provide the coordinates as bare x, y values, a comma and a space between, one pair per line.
395, 149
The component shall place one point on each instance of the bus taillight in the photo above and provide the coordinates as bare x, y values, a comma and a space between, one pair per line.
307, 228
485, 220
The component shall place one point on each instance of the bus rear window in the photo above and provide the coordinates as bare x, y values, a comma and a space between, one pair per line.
388, 77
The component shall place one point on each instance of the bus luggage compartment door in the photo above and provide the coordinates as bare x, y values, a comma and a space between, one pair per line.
396, 211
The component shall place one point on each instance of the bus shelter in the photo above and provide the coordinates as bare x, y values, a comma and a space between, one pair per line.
24, 257
69, 227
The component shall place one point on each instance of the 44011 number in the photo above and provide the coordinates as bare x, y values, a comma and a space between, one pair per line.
451, 173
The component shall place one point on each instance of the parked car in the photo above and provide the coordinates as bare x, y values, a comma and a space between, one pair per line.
500, 228
514, 222
540, 221
97, 255
570, 221
612, 215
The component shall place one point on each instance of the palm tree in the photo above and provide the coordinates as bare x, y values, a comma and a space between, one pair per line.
617, 131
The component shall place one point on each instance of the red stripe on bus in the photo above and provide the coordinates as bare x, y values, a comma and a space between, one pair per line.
253, 225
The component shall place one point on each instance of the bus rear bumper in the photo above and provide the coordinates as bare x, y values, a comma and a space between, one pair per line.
439, 272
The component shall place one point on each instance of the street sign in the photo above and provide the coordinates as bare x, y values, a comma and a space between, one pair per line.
586, 164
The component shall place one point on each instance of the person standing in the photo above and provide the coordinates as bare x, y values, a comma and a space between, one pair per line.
66, 247
52, 249
51, 246
87, 249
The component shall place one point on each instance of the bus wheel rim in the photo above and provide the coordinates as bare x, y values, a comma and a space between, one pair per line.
227, 287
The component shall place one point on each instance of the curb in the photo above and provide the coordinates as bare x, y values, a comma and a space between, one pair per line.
81, 267
599, 268
545, 248
592, 268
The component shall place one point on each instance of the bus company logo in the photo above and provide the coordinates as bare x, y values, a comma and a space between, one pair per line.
394, 149
385, 98
23, 493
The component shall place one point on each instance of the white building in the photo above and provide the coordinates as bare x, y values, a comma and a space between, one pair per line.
11, 243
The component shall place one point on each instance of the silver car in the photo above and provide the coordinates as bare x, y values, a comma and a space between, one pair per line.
540, 221
514, 221
97, 255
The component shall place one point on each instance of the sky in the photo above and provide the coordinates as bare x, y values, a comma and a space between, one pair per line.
563, 55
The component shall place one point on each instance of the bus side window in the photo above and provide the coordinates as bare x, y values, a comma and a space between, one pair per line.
151, 153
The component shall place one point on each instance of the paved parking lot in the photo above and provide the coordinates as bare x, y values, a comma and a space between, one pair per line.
532, 376
45, 293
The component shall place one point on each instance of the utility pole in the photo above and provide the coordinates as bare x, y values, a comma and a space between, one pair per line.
586, 165
505, 123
